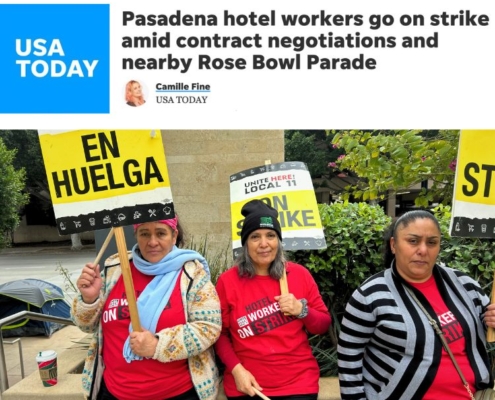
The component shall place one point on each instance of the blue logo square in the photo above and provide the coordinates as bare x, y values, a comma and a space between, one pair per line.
55, 58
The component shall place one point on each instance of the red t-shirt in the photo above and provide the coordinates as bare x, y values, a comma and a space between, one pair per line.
272, 346
147, 378
447, 383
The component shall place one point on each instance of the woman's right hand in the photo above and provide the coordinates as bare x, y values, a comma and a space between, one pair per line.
89, 283
244, 380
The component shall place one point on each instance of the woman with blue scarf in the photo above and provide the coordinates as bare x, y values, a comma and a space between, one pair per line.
179, 311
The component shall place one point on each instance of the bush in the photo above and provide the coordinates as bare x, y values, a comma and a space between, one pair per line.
474, 256
354, 236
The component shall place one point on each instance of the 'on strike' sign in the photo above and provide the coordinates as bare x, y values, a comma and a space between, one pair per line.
106, 178
288, 188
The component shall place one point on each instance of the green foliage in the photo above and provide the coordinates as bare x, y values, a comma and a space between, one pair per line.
325, 354
474, 256
29, 158
12, 198
354, 236
311, 147
392, 160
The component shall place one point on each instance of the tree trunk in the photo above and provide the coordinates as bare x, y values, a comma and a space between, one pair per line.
76, 241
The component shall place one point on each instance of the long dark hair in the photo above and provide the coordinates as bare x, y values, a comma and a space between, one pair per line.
180, 235
403, 221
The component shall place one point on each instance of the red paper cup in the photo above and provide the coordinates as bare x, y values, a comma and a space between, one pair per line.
47, 365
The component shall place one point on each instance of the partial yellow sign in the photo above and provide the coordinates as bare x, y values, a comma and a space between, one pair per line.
475, 178
473, 205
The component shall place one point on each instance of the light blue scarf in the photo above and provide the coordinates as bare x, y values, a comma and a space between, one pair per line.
157, 293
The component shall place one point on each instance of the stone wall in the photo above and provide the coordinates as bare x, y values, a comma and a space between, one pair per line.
200, 164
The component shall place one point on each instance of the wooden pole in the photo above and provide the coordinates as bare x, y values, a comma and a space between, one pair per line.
284, 286
127, 276
490, 332
104, 246
260, 394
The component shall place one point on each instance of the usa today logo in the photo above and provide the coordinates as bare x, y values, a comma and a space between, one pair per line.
55, 58
54, 68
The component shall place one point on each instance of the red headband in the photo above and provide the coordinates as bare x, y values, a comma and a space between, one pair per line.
170, 222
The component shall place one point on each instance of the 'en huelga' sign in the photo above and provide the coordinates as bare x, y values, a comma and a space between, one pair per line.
106, 178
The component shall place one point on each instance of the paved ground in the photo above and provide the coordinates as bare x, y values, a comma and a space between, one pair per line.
41, 262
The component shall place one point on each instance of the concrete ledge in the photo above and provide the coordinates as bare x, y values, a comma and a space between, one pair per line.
69, 383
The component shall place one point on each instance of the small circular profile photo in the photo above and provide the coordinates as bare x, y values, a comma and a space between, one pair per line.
134, 94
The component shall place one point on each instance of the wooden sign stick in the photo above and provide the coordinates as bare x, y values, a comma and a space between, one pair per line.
490, 332
260, 394
284, 287
104, 246
126, 275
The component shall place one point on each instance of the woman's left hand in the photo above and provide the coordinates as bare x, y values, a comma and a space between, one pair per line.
490, 316
289, 304
143, 343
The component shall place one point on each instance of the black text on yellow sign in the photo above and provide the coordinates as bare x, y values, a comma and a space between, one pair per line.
476, 168
87, 165
290, 218
478, 179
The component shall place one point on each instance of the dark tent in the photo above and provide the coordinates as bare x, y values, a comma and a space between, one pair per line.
32, 295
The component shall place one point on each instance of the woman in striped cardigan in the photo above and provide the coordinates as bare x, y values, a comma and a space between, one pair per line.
388, 349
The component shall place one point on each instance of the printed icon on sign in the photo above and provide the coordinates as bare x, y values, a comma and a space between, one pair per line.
62, 226
121, 217
306, 243
283, 244
92, 221
242, 174
262, 169
295, 243
292, 164
243, 321
318, 242
457, 227
283, 166
167, 210
470, 228
137, 214
483, 228
252, 171
107, 220
232, 178
152, 212
77, 224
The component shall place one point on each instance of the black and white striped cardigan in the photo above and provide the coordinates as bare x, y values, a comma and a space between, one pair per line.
388, 350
